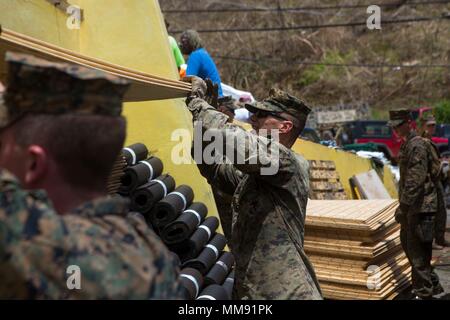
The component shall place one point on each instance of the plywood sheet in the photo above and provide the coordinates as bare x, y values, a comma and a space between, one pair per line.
143, 86
366, 215
370, 186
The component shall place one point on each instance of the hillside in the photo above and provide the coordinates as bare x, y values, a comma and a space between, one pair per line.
350, 57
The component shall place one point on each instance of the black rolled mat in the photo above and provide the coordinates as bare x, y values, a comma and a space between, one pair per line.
145, 197
209, 255
169, 208
184, 226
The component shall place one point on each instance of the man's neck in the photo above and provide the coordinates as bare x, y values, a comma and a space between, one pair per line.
411, 135
285, 141
66, 198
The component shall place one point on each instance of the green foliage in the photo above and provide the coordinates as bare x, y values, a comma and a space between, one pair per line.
315, 72
378, 114
442, 111
311, 75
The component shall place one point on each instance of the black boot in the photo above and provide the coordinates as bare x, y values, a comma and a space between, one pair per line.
437, 290
442, 243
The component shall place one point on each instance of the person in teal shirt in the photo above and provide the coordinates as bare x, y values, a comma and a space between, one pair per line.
200, 63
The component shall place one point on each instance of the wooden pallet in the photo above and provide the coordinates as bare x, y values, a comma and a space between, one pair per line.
324, 181
318, 195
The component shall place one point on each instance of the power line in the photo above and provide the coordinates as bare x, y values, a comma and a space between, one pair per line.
297, 9
319, 26
357, 65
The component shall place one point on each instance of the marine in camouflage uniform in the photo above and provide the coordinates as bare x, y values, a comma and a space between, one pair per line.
118, 255
267, 216
441, 214
418, 204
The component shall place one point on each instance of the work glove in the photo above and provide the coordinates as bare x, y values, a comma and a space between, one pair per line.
206, 90
212, 93
199, 87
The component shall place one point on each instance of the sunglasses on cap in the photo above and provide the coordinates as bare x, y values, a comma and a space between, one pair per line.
264, 114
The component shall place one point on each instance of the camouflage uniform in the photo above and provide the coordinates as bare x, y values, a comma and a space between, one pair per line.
441, 214
267, 216
418, 206
223, 203
119, 256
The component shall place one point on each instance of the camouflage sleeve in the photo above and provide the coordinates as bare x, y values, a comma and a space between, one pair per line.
7, 183
20, 212
15, 204
417, 170
250, 153
220, 175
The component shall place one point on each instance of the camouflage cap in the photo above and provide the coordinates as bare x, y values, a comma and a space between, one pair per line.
39, 86
279, 102
397, 117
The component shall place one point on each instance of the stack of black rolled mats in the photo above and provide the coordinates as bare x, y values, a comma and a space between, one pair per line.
181, 223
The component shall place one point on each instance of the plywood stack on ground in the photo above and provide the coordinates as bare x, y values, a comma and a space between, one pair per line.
355, 248
324, 181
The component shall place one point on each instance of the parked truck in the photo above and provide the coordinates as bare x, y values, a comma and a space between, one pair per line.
382, 135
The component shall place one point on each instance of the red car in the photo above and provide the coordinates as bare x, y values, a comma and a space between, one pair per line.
379, 133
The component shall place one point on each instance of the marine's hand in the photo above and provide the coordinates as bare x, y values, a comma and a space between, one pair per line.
212, 93
199, 88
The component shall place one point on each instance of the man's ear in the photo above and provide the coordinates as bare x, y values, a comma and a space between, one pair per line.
286, 127
36, 166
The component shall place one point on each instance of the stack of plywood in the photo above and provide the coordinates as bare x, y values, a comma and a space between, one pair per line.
324, 181
355, 248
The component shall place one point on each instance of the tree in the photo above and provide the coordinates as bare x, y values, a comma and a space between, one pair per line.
442, 111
